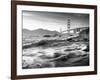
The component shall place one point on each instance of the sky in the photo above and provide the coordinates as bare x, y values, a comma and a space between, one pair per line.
53, 20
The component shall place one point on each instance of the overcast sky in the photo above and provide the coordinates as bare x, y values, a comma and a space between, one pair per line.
53, 21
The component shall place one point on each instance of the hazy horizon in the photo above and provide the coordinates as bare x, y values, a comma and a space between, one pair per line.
53, 21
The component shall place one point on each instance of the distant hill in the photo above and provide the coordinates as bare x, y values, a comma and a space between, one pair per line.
38, 32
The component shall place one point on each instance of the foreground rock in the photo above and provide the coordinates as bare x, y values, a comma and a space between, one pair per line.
59, 60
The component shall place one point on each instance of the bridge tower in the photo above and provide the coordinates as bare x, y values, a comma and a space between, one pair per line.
68, 24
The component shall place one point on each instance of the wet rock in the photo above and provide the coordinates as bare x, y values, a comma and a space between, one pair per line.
71, 55
42, 43
86, 49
